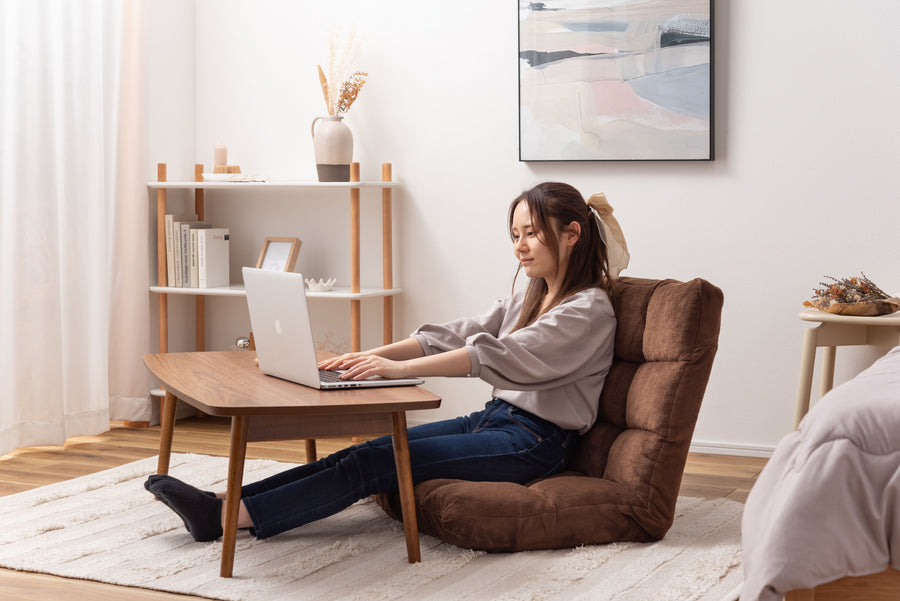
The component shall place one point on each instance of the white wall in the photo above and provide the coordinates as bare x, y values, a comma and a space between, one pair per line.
804, 183
169, 50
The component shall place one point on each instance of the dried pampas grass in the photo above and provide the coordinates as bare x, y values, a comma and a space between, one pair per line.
340, 85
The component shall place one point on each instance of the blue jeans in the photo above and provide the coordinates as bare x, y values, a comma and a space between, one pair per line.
500, 443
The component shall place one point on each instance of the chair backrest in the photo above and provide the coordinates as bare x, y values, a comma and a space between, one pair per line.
666, 339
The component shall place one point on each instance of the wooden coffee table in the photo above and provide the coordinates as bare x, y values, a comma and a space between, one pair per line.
261, 407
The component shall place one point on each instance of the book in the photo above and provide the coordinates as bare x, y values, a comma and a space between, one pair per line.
175, 279
186, 228
212, 257
170, 241
194, 274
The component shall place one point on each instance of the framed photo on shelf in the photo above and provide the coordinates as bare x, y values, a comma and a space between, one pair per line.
279, 254
606, 80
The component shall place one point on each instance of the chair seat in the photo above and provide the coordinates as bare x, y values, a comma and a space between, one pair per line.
566, 510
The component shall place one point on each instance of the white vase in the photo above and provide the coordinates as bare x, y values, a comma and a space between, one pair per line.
333, 145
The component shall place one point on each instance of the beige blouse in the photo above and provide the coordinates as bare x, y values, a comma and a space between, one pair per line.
554, 368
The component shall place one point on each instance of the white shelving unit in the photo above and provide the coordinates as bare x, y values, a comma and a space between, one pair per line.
353, 293
339, 292
271, 186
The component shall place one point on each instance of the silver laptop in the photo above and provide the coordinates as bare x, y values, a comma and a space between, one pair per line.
279, 318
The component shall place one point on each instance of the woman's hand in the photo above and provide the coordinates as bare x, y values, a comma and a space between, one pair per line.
359, 366
339, 361
385, 361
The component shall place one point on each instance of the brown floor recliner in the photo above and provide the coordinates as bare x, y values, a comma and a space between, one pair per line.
623, 477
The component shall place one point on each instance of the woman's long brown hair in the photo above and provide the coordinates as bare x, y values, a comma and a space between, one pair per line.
553, 206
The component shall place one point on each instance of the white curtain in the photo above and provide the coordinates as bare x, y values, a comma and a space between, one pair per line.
131, 304
69, 167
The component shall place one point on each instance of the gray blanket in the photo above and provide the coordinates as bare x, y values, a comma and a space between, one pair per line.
827, 505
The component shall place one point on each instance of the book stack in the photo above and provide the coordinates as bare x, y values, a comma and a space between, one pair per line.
196, 253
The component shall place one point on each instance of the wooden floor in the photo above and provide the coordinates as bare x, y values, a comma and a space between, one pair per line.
708, 476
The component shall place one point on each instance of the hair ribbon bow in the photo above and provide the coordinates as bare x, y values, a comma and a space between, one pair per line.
611, 233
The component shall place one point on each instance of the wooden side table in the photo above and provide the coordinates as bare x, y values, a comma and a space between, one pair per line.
832, 331
261, 407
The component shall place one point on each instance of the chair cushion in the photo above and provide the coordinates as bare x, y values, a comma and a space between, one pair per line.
624, 474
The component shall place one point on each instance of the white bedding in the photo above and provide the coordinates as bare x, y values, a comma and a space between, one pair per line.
827, 505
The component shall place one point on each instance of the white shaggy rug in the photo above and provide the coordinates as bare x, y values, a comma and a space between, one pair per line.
106, 527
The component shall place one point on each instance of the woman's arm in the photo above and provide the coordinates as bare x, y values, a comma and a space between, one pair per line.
397, 351
446, 354
550, 351
450, 363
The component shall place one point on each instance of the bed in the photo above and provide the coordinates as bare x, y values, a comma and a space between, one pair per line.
824, 514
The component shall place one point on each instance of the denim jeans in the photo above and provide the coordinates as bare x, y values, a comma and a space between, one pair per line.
499, 443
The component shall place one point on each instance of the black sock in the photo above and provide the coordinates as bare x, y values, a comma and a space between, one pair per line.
200, 511
154, 477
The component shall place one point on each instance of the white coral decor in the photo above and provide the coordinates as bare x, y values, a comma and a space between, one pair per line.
320, 286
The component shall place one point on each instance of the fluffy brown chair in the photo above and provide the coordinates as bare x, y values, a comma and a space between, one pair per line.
623, 477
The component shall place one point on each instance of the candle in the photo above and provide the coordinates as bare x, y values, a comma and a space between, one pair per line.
221, 156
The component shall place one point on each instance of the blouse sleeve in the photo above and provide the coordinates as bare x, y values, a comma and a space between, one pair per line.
551, 352
437, 338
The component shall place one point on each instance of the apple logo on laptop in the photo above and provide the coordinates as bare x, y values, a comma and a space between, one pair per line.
278, 327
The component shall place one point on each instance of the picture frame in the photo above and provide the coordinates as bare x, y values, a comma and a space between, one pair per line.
606, 80
279, 254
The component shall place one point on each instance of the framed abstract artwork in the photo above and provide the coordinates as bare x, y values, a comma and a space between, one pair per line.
611, 80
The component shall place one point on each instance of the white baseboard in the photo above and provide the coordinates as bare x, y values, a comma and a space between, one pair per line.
721, 448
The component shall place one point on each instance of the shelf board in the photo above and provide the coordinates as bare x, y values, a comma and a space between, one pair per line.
274, 185
339, 292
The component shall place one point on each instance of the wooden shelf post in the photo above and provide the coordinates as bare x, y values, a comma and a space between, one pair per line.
200, 209
162, 299
387, 254
355, 305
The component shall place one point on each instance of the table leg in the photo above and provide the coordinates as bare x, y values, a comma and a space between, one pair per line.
807, 364
827, 377
310, 450
167, 423
236, 455
407, 495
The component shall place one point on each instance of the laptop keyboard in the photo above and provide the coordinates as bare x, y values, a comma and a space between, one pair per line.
329, 376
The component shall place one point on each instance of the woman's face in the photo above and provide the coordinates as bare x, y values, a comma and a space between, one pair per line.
535, 257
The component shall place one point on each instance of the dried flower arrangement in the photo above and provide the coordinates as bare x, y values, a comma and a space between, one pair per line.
340, 86
852, 296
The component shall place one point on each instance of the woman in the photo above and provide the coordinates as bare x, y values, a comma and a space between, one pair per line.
545, 350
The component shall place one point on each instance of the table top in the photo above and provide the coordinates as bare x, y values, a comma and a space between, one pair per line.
228, 383
890, 319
